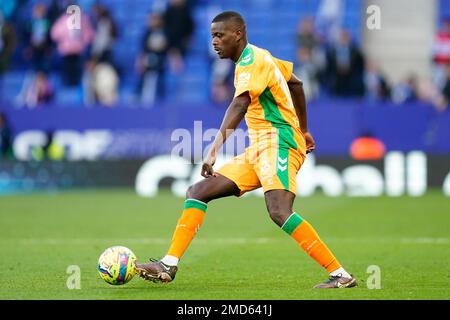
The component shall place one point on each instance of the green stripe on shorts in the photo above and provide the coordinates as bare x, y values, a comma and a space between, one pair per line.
283, 166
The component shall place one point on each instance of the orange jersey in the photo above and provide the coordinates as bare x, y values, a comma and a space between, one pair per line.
271, 110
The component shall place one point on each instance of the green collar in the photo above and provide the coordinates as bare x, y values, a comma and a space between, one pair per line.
244, 53
247, 56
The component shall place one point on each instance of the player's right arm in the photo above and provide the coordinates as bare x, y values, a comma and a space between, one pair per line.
299, 100
233, 116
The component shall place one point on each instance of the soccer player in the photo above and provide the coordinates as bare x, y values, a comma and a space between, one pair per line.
271, 99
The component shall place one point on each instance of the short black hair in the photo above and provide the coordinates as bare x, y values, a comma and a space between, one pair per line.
230, 16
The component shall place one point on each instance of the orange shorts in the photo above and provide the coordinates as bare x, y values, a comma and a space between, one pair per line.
268, 166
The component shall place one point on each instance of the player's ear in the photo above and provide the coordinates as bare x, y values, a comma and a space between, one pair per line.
238, 35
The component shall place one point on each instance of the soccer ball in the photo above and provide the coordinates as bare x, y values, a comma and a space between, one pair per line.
117, 265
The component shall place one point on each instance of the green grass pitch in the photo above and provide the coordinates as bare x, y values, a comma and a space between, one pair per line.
239, 253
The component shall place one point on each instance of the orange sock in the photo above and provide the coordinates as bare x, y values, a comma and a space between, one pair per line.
187, 227
309, 240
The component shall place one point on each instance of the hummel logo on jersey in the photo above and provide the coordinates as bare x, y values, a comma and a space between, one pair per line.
282, 164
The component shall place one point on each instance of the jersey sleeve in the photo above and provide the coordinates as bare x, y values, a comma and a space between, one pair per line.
249, 78
285, 67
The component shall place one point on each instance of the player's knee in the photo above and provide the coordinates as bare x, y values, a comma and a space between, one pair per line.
275, 214
190, 192
196, 192
278, 214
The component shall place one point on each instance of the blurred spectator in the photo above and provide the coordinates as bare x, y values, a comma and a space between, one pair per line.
442, 101
311, 57
406, 91
306, 37
221, 79
7, 8
36, 90
345, 68
105, 34
100, 83
151, 64
5, 137
329, 18
416, 89
367, 147
446, 89
308, 72
179, 26
7, 45
72, 43
377, 88
38, 38
54, 10
221, 74
441, 54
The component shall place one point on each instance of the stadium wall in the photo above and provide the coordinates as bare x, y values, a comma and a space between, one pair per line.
403, 44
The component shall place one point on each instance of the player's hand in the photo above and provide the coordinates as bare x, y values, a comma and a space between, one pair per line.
310, 144
207, 167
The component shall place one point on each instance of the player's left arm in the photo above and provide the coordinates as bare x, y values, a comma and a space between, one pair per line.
233, 116
299, 100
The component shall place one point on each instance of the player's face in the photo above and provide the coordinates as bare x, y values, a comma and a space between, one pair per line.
224, 39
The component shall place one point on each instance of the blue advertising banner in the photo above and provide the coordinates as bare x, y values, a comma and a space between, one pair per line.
127, 133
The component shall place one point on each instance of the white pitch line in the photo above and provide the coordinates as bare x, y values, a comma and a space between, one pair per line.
418, 240
228, 241
426, 240
216, 241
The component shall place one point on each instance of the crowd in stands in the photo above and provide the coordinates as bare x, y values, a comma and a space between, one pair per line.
339, 68
329, 66
84, 55
165, 43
